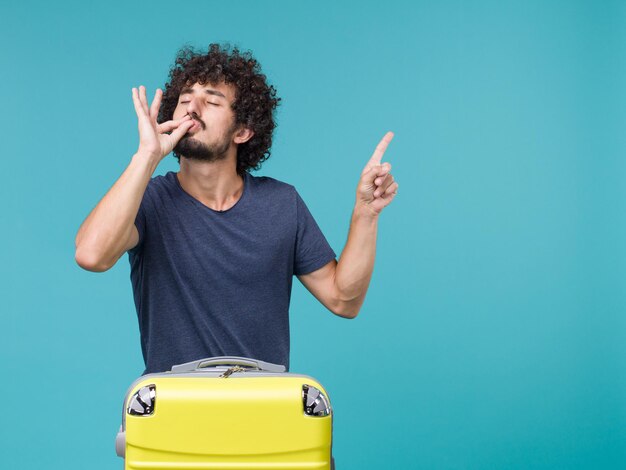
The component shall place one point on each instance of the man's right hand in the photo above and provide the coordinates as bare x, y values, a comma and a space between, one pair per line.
154, 141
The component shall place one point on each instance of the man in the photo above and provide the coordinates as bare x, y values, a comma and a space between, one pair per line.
213, 249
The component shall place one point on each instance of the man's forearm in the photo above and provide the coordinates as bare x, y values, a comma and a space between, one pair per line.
355, 266
341, 286
103, 236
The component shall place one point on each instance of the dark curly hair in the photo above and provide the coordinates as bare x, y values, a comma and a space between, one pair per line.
255, 100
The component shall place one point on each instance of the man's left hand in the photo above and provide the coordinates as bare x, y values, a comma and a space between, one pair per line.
377, 187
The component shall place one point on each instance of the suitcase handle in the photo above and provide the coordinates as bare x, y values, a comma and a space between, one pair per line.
228, 361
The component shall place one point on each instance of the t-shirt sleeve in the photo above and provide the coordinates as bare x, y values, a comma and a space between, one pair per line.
312, 248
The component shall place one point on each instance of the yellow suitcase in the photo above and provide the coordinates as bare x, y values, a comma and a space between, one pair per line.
226, 413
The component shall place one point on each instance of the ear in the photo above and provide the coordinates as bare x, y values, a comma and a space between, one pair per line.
243, 135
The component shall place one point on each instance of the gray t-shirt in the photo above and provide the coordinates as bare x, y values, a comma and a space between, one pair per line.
218, 283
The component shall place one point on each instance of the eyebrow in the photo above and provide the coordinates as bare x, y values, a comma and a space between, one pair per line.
208, 91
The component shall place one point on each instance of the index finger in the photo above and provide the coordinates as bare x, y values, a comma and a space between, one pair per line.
377, 156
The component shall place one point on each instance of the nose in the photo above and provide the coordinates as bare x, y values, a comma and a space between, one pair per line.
193, 107
194, 111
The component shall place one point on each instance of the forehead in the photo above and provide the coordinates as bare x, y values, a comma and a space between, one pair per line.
219, 90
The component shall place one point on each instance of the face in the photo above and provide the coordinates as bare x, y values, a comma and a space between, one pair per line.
209, 105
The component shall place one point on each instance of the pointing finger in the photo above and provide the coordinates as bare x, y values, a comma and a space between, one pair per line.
377, 156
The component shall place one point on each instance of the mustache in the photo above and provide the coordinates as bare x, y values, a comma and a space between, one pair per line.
199, 121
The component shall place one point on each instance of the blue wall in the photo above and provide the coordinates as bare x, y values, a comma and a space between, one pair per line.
494, 332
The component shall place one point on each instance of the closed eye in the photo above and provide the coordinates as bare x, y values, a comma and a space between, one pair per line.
208, 102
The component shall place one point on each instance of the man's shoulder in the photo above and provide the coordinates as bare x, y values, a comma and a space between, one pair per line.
162, 181
160, 185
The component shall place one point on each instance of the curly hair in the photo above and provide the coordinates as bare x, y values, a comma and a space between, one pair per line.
255, 100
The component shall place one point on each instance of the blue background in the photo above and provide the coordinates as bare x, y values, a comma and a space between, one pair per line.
494, 331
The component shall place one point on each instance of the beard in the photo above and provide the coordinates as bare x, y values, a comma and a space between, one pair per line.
193, 149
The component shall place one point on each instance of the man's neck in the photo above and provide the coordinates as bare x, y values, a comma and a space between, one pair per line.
215, 184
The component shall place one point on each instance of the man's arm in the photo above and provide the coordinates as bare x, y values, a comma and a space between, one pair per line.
341, 286
110, 230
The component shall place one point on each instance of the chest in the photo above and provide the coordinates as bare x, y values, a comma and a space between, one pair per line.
250, 247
